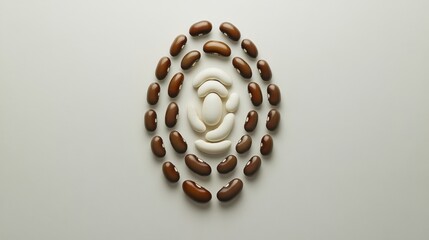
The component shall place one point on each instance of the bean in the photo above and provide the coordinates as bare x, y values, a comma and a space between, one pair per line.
230, 190
243, 144
232, 103
242, 67
273, 119
197, 165
266, 144
212, 73
190, 59
249, 47
227, 165
212, 148
170, 172
255, 93
230, 31
150, 120
212, 86
196, 192
252, 166
153, 93
200, 28
212, 109
194, 120
171, 114
217, 47
175, 84
264, 70
162, 68
178, 142
178, 44
157, 146
251, 121
274, 96
223, 130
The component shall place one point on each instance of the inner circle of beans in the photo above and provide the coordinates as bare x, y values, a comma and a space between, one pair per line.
221, 48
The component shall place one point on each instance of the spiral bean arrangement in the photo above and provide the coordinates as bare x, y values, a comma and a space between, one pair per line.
212, 85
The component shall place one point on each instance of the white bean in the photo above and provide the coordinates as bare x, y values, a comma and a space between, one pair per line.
212, 73
223, 130
232, 103
194, 120
212, 148
212, 86
211, 111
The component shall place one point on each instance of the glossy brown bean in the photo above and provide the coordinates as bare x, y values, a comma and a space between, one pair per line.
217, 47
178, 44
170, 172
171, 114
150, 120
255, 93
273, 120
152, 95
251, 121
264, 70
157, 146
190, 59
231, 31
178, 142
162, 68
242, 67
230, 190
227, 165
244, 144
249, 47
274, 96
197, 165
252, 166
200, 28
266, 145
196, 192
175, 84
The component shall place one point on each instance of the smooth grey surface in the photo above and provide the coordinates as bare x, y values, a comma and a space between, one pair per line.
351, 160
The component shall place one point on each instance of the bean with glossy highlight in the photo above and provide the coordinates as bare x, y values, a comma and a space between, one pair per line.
274, 96
162, 68
227, 164
266, 145
196, 192
178, 44
249, 47
217, 47
171, 114
244, 144
175, 84
197, 165
264, 70
252, 166
190, 59
273, 120
200, 28
242, 67
255, 93
231, 31
150, 120
178, 142
251, 121
170, 172
230, 190
157, 146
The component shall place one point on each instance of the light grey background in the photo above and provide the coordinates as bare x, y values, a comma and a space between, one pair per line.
351, 160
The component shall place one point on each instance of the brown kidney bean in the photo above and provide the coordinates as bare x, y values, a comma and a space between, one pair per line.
150, 120
266, 144
251, 121
153, 93
157, 146
200, 28
252, 166
178, 142
273, 119
242, 67
249, 47
190, 59
230, 190
171, 114
170, 172
244, 144
196, 192
162, 68
178, 44
230, 31
217, 47
227, 165
264, 69
255, 93
274, 96
197, 165
175, 84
